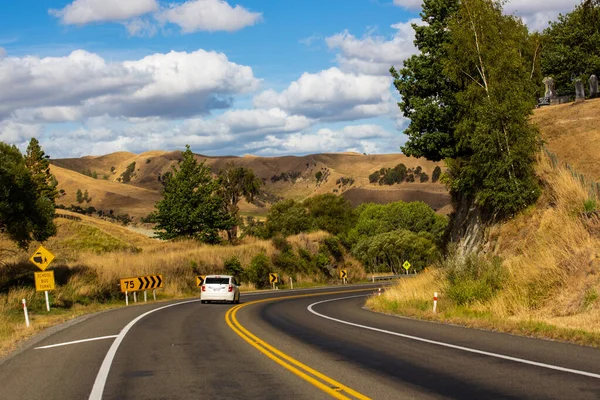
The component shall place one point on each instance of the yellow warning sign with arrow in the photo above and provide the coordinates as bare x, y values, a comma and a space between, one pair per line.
42, 258
273, 278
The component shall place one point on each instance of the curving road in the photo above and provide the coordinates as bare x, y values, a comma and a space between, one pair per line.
319, 345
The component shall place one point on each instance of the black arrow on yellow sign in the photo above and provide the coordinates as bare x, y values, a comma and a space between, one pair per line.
273, 278
343, 273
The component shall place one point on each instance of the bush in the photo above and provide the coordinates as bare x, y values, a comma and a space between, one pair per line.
258, 271
473, 278
233, 266
436, 174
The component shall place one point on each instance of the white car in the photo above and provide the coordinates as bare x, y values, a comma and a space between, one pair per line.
220, 288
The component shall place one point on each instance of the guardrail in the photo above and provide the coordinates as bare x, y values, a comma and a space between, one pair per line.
386, 277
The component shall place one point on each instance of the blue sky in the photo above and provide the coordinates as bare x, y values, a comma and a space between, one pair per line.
90, 77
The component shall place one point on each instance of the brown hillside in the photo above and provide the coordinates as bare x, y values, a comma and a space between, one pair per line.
572, 132
143, 190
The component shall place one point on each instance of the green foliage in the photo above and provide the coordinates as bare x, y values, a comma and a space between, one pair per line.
374, 177
391, 249
79, 196
258, 271
331, 213
150, 218
26, 205
90, 173
488, 59
332, 245
287, 218
424, 177
233, 266
89, 238
374, 219
237, 183
473, 278
437, 172
318, 176
256, 228
128, 173
590, 205
427, 95
191, 206
572, 46
389, 176
38, 164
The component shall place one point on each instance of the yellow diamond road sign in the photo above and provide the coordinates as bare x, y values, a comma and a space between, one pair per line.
406, 265
44, 281
42, 258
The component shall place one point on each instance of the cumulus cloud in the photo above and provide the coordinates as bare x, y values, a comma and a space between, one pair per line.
537, 13
83, 84
17, 133
332, 95
81, 12
351, 138
374, 55
208, 15
2, 52
409, 4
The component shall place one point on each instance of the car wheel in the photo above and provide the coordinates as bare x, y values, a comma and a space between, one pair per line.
203, 301
237, 301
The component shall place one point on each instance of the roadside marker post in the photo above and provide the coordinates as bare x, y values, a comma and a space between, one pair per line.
126, 298
47, 301
26, 314
434, 301
154, 293
291, 283
145, 297
135, 297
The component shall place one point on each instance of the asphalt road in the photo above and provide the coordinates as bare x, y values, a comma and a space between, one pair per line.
188, 351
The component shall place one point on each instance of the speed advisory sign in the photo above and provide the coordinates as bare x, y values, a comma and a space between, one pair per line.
140, 283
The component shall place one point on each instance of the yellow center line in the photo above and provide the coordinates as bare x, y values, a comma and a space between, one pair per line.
334, 389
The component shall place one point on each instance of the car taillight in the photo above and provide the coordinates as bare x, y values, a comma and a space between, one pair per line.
203, 288
230, 288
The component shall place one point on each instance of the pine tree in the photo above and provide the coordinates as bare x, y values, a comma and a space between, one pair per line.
191, 206
38, 164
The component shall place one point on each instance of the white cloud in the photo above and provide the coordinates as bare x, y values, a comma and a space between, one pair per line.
332, 95
16, 133
208, 15
83, 84
81, 12
140, 27
351, 138
537, 13
374, 55
409, 4
2, 52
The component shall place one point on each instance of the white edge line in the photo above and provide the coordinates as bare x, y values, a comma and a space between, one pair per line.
100, 382
76, 341
452, 346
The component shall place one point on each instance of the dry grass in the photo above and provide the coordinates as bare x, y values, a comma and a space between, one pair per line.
552, 254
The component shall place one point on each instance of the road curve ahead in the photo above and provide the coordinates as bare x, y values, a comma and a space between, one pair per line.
315, 344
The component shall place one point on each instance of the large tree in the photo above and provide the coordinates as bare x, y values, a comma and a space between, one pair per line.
237, 183
489, 58
25, 215
191, 206
427, 94
572, 46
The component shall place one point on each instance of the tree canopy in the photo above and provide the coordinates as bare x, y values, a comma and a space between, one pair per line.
572, 46
26, 214
191, 206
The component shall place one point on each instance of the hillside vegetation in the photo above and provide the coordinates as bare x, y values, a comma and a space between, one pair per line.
538, 273
128, 183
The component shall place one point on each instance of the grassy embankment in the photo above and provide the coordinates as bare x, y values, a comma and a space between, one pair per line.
537, 274
92, 255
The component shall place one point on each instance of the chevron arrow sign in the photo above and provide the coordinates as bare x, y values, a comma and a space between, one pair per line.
139, 283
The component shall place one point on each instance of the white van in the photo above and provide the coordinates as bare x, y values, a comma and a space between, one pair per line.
220, 288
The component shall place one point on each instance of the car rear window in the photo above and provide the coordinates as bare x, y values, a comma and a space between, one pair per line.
217, 281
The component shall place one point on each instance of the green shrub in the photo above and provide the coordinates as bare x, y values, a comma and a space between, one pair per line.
474, 278
258, 271
233, 266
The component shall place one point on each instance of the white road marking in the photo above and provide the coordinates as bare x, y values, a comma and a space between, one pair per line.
76, 341
100, 381
452, 346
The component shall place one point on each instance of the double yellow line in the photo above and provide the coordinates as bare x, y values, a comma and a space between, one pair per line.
328, 385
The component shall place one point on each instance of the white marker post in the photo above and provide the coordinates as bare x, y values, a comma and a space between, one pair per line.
126, 298
145, 297
47, 301
154, 293
291, 283
135, 297
25, 311
434, 301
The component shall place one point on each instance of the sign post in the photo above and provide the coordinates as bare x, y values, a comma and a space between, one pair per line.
343, 275
44, 280
406, 266
273, 279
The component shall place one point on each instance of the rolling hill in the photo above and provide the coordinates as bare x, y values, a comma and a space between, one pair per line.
128, 183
